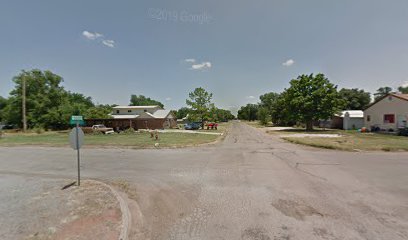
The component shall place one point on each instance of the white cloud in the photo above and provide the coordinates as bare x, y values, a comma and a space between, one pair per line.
109, 43
168, 99
288, 63
91, 36
190, 60
201, 66
250, 97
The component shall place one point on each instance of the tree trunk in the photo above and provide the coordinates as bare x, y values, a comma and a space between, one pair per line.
309, 125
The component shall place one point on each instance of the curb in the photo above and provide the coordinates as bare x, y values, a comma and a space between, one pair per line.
124, 208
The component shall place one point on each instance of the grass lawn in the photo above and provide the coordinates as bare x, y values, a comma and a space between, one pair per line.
349, 140
136, 140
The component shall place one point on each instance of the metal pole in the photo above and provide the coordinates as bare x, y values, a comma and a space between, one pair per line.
77, 146
23, 100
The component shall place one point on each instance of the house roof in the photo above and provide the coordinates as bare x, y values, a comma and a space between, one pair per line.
124, 116
136, 107
397, 95
161, 113
352, 113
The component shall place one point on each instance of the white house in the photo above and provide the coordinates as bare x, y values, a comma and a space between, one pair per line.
389, 112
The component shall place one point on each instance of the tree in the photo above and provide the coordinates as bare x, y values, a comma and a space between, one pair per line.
3, 104
48, 104
182, 112
200, 102
248, 112
403, 89
310, 98
268, 100
263, 115
381, 92
355, 99
99, 111
140, 100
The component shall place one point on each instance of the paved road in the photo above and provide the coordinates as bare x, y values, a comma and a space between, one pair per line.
251, 186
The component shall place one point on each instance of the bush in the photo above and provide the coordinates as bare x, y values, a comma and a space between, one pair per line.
39, 130
129, 131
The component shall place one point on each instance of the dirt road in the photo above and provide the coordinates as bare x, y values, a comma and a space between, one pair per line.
251, 186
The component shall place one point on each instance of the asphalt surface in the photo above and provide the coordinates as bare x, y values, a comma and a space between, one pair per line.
250, 186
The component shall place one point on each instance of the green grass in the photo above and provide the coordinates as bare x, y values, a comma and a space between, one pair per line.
136, 140
352, 141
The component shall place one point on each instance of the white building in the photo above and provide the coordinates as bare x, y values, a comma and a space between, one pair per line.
389, 112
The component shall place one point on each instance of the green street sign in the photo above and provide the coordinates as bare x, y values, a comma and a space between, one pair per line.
77, 120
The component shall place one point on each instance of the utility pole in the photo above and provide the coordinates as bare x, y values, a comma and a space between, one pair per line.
24, 103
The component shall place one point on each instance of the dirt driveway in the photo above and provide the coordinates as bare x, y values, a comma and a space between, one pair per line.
251, 186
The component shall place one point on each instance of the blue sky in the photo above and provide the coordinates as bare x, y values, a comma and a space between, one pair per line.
241, 49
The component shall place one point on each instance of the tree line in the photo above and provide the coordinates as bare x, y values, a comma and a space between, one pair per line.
309, 98
49, 105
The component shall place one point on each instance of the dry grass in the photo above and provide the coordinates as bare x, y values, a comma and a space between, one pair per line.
354, 141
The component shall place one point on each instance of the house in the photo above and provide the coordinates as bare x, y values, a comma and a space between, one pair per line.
347, 120
138, 117
388, 113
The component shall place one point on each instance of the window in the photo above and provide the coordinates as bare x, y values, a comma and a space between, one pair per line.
145, 110
368, 118
129, 111
389, 118
117, 111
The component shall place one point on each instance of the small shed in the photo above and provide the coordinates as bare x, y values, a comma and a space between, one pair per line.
347, 120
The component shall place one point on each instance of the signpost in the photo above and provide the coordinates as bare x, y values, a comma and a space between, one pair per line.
76, 139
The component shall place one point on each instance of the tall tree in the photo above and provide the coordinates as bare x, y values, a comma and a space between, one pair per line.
403, 89
48, 104
310, 98
248, 112
140, 100
355, 99
263, 115
381, 92
3, 104
200, 103
182, 112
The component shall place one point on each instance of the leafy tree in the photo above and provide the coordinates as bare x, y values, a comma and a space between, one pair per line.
263, 115
403, 89
381, 92
200, 102
140, 100
248, 112
310, 98
3, 104
355, 99
48, 104
268, 101
182, 112
99, 111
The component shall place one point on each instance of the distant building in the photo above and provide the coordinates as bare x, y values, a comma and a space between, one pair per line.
138, 117
347, 120
388, 113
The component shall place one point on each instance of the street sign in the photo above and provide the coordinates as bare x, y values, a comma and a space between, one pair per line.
76, 120
76, 139
73, 141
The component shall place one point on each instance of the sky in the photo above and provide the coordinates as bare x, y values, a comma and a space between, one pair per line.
238, 50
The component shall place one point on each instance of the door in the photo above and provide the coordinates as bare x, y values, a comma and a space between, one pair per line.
401, 121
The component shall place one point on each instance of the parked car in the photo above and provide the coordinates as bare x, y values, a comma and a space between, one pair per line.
103, 129
9, 126
191, 126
